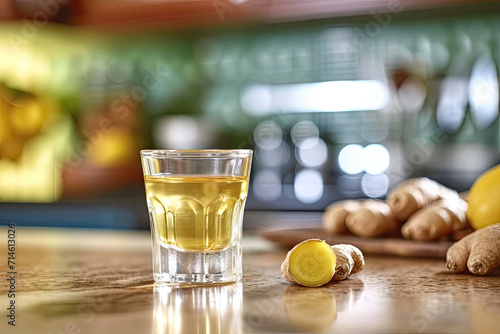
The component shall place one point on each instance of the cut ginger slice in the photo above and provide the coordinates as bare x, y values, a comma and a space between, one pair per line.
310, 263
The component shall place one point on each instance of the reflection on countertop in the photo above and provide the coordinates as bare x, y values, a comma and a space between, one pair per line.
199, 309
90, 281
310, 310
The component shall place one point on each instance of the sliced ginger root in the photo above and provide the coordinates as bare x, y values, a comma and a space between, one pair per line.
310, 263
414, 194
437, 220
367, 218
314, 263
479, 252
350, 260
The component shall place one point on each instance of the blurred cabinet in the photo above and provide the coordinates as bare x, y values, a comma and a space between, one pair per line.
334, 108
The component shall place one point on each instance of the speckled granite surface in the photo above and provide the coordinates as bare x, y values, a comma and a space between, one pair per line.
74, 281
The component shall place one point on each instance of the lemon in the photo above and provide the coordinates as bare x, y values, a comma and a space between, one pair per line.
484, 199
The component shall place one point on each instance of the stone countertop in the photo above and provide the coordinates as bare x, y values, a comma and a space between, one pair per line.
100, 281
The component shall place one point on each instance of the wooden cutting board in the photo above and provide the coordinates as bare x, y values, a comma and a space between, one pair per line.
380, 246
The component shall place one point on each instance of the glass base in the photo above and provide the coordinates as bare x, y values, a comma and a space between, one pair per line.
170, 265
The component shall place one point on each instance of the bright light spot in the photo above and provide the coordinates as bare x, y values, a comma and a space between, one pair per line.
350, 95
267, 185
314, 156
350, 159
308, 186
179, 132
304, 134
374, 185
452, 103
257, 100
274, 158
412, 94
330, 96
483, 92
268, 135
349, 185
375, 159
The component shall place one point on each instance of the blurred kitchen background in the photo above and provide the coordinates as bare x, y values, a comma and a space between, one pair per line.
338, 99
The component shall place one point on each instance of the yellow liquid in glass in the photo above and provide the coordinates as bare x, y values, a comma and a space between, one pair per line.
196, 213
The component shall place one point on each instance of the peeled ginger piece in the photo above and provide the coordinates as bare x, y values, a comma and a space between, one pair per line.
310, 263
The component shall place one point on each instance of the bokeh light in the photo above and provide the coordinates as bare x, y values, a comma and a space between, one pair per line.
268, 135
375, 159
275, 157
304, 134
313, 156
308, 186
350, 159
374, 185
267, 185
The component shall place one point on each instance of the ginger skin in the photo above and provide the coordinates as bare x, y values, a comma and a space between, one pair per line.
437, 220
414, 194
367, 218
479, 252
350, 260
428, 210
357, 256
335, 215
345, 263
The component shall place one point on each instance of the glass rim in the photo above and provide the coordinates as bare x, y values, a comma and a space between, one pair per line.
201, 153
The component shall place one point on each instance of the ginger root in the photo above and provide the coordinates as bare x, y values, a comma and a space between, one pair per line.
335, 215
350, 260
425, 209
367, 218
310, 263
464, 195
437, 220
414, 194
479, 252
314, 263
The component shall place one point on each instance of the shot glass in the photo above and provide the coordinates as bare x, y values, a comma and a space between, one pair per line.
196, 200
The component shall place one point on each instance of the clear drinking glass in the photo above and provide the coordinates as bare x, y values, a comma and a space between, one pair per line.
196, 200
